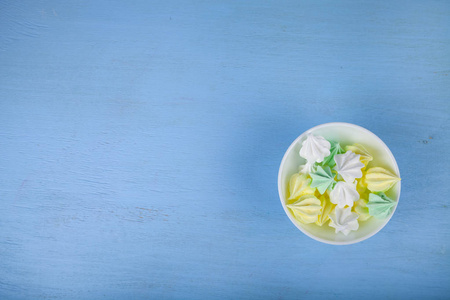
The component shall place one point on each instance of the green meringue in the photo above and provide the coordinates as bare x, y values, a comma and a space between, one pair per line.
380, 206
335, 149
322, 179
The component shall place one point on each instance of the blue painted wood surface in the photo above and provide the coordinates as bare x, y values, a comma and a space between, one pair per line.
140, 143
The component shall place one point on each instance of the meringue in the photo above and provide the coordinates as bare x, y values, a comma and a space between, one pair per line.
362, 210
306, 209
365, 156
344, 220
306, 168
335, 149
327, 208
299, 185
361, 188
315, 148
344, 194
379, 179
348, 166
380, 206
322, 179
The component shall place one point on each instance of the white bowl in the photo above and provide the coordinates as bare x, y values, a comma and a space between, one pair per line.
345, 134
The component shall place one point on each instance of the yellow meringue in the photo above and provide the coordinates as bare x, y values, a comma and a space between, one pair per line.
299, 185
327, 208
306, 209
365, 156
362, 210
379, 179
361, 188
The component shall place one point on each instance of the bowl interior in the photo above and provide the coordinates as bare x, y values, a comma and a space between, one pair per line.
346, 134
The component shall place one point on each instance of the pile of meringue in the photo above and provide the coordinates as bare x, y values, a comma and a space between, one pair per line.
339, 186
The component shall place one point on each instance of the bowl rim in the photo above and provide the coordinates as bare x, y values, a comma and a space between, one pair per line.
395, 165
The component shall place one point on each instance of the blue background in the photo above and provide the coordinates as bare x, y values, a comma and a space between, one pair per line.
140, 143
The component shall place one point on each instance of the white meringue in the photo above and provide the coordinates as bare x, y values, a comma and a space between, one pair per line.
344, 220
348, 166
315, 148
307, 168
365, 156
344, 194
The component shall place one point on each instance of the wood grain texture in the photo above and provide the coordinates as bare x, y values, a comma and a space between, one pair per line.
140, 143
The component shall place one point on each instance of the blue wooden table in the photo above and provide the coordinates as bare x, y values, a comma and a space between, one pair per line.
140, 143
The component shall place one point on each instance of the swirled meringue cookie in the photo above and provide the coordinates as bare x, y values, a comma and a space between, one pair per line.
334, 150
307, 168
323, 179
315, 148
344, 194
361, 188
344, 220
362, 210
379, 179
380, 206
299, 185
364, 156
327, 208
306, 209
348, 166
